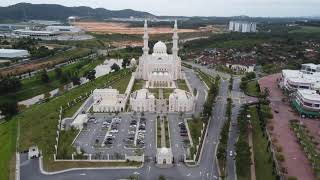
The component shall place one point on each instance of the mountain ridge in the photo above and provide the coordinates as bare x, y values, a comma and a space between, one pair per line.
28, 11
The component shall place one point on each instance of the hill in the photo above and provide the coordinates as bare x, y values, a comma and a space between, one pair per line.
27, 11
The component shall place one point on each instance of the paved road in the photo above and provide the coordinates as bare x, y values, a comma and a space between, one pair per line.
233, 133
212, 72
207, 168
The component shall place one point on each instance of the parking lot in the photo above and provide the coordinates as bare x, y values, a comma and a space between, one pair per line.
178, 136
112, 136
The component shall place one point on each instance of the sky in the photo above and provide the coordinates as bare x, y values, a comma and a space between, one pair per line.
262, 8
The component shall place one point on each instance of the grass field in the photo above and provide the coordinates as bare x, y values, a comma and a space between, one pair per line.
8, 135
252, 88
39, 122
122, 84
195, 126
263, 165
138, 84
182, 85
306, 29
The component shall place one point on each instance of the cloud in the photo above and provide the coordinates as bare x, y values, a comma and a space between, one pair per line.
198, 7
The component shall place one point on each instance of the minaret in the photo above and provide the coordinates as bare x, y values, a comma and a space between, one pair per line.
145, 39
175, 39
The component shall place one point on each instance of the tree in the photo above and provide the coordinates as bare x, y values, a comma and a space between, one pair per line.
75, 80
9, 109
91, 75
10, 85
115, 67
58, 73
125, 63
44, 76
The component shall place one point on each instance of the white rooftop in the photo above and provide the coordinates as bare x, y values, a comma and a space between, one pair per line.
180, 94
299, 76
143, 94
12, 50
309, 94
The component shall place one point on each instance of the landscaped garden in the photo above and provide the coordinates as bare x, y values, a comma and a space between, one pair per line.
182, 85
39, 122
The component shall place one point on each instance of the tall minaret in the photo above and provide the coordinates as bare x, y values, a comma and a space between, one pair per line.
145, 39
175, 39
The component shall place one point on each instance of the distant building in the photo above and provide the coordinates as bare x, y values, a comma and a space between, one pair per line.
240, 68
13, 53
35, 34
65, 29
73, 19
242, 26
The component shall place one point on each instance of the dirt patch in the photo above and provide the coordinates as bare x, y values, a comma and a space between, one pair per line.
123, 28
296, 161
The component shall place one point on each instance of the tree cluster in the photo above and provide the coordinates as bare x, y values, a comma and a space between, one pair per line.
9, 85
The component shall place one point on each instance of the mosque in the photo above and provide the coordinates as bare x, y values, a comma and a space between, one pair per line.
159, 70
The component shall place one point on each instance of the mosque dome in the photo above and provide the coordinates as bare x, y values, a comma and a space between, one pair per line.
133, 62
160, 48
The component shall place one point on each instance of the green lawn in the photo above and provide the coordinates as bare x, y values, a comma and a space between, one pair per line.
122, 84
306, 29
8, 135
155, 92
182, 85
263, 165
65, 149
166, 127
39, 122
138, 84
205, 77
195, 126
252, 88
166, 93
158, 133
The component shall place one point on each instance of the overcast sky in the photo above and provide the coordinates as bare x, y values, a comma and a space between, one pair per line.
279, 8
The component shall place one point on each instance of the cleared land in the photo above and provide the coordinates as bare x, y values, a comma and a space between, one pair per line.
123, 28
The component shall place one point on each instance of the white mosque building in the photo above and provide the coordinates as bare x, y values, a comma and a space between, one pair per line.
158, 70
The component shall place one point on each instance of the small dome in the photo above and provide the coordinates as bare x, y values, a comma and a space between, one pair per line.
133, 61
160, 48
164, 151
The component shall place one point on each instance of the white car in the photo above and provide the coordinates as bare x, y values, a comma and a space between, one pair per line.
114, 131
231, 153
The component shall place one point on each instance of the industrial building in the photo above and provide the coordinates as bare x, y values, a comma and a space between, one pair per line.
13, 53
242, 26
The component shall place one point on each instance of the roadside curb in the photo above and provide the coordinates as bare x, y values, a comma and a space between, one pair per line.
77, 169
